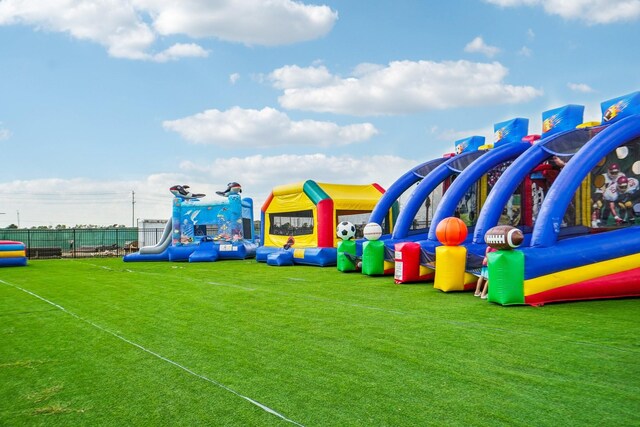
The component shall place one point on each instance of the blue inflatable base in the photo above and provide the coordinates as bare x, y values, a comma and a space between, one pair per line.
13, 262
206, 251
318, 257
281, 258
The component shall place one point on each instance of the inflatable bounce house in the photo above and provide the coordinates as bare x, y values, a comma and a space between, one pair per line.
12, 254
204, 231
299, 220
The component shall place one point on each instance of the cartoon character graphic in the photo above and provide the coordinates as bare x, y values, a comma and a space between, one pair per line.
621, 197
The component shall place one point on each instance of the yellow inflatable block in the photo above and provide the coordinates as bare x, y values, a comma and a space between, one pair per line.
450, 274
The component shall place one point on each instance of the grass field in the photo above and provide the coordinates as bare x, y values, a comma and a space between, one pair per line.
235, 343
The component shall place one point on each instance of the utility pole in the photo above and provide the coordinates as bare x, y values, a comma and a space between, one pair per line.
133, 208
18, 214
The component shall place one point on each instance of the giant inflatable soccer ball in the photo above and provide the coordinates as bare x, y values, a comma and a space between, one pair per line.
346, 230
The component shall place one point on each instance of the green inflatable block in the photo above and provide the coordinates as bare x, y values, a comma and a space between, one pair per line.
373, 258
506, 277
347, 256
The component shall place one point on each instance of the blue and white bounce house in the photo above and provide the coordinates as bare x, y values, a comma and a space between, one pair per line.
204, 231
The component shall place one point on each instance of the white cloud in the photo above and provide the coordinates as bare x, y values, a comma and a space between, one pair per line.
580, 87
78, 201
4, 133
525, 51
253, 22
530, 34
259, 174
478, 45
293, 76
590, 11
263, 128
130, 28
84, 201
181, 50
398, 88
233, 78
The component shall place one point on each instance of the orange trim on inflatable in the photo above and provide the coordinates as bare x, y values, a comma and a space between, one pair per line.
267, 202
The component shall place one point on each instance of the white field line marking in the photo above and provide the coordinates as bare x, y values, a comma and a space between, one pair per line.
244, 288
159, 356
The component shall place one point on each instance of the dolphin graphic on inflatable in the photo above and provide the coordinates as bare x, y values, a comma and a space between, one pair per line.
181, 192
232, 188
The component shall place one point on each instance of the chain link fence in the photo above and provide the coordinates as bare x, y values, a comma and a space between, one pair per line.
81, 242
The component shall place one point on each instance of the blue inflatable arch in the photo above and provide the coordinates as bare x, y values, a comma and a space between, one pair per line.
396, 189
470, 176
563, 144
547, 226
446, 169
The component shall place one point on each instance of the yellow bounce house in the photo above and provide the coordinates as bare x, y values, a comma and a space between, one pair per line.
307, 213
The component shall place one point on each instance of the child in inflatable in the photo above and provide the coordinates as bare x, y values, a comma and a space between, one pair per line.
482, 286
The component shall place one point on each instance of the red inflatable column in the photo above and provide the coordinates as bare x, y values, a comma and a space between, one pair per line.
326, 224
407, 258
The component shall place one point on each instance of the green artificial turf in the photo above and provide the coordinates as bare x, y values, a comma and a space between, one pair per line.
208, 343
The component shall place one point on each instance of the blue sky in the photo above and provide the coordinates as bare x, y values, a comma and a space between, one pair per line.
102, 98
